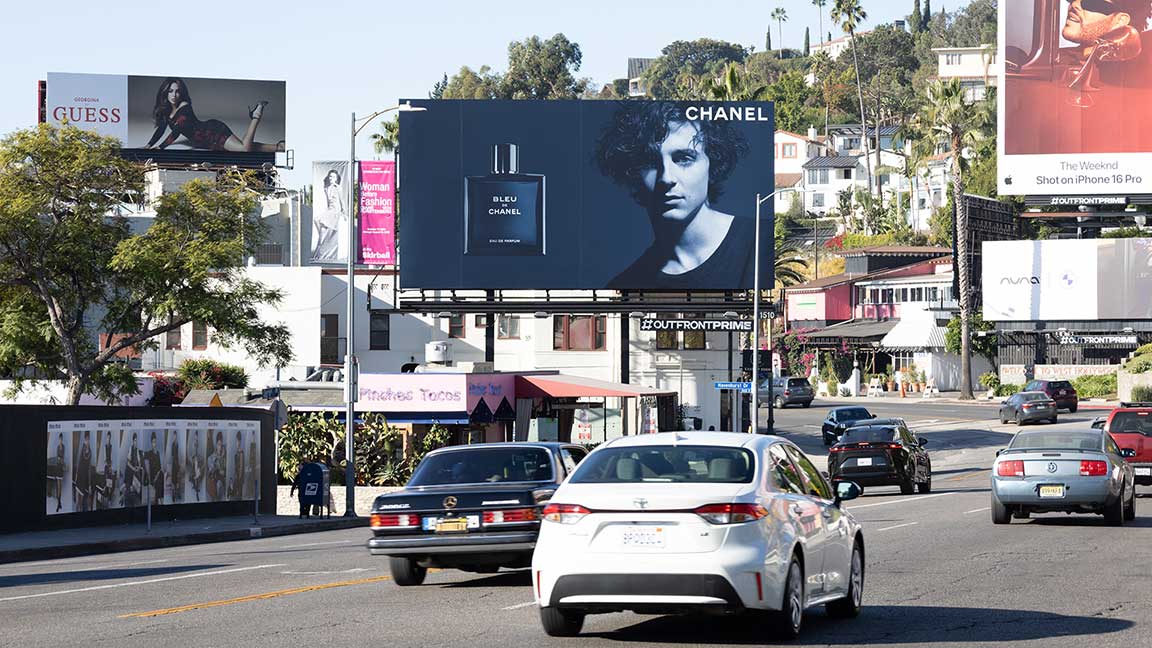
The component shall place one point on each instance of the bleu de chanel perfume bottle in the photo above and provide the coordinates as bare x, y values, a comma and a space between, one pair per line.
504, 210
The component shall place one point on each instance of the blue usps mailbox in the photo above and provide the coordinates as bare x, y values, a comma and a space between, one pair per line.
314, 484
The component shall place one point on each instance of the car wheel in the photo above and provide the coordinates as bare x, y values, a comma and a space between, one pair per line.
1072, 408
1114, 512
925, 487
807, 403
827, 441
1003, 419
1130, 509
1000, 514
561, 623
791, 614
1019, 418
778, 403
908, 486
1052, 420
849, 606
406, 571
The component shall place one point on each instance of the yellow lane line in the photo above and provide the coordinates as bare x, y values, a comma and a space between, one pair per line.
254, 597
976, 473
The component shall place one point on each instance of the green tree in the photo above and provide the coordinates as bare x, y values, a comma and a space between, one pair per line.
820, 16
104, 290
949, 117
438, 88
473, 84
388, 138
673, 75
768, 41
781, 17
791, 93
916, 19
926, 19
829, 82
543, 69
982, 345
807, 42
850, 13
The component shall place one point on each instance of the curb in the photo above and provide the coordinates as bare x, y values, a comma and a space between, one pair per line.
160, 542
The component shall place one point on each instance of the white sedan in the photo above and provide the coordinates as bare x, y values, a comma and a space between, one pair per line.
718, 522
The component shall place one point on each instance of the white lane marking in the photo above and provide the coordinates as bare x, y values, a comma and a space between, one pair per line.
354, 570
138, 582
906, 524
907, 499
519, 605
977, 510
319, 544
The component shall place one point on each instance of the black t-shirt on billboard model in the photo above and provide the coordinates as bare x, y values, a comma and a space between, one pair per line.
730, 265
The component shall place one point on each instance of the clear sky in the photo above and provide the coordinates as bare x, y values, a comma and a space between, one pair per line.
339, 56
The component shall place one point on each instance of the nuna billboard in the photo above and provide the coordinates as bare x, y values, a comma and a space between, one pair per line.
637, 195
174, 120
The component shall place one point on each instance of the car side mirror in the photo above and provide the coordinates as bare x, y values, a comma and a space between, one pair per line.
871, 416
1000, 451
1127, 452
922, 441
847, 490
1098, 424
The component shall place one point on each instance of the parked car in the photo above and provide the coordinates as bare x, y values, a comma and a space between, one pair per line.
475, 508
840, 418
1070, 471
1028, 407
881, 452
704, 522
1131, 426
1060, 391
787, 390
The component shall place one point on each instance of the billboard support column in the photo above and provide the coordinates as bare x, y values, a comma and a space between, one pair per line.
490, 330
349, 359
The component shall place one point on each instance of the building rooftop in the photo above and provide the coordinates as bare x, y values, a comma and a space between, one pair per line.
832, 162
784, 180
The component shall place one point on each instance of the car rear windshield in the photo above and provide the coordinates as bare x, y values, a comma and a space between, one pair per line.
852, 414
868, 435
1057, 441
690, 464
798, 382
1034, 396
480, 465
1060, 384
1131, 423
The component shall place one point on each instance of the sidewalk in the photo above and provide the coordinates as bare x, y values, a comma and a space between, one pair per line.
66, 543
953, 398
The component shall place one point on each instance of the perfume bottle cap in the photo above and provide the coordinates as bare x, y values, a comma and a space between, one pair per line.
505, 158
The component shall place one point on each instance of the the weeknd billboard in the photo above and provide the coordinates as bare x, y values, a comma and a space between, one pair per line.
585, 194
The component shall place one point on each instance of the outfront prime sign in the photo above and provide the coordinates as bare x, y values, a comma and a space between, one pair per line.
1094, 279
638, 195
174, 119
1072, 101
706, 325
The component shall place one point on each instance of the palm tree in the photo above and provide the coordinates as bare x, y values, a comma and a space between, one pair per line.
820, 12
850, 13
781, 17
789, 264
388, 138
824, 73
732, 86
948, 117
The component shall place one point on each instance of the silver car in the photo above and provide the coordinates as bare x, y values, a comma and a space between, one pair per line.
1071, 471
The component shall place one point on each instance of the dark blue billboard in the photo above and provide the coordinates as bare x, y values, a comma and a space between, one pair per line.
637, 195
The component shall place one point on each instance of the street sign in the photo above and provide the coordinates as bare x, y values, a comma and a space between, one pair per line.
745, 387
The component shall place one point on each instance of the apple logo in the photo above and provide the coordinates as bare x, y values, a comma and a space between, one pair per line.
1008, 180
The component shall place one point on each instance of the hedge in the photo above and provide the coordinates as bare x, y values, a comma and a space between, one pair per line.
1095, 386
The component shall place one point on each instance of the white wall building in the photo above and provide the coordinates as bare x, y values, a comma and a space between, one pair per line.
977, 67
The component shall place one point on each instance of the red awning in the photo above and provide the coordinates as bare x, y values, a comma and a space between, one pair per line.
556, 386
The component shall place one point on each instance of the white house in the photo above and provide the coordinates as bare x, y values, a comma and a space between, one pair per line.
977, 67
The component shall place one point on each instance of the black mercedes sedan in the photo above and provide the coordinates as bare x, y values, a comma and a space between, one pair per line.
475, 508
839, 418
881, 452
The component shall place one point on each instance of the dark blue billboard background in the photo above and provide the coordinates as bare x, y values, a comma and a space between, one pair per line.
584, 194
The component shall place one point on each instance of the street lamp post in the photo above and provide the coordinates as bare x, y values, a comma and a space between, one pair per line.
756, 318
351, 388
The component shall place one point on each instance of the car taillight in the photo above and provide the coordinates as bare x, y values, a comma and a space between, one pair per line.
1028, 405
510, 516
1012, 468
565, 513
787, 392
1093, 468
390, 521
836, 449
731, 513
893, 446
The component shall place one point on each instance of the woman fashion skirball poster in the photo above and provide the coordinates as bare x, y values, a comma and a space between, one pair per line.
330, 212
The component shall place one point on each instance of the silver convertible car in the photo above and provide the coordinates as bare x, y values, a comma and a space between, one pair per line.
1069, 471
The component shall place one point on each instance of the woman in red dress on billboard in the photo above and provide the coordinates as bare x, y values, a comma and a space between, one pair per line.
173, 110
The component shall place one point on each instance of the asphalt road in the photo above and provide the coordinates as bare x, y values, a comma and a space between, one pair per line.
938, 573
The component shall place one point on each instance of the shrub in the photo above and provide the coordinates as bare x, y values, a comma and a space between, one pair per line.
1145, 349
989, 380
1095, 386
1007, 389
209, 374
1142, 393
167, 390
1139, 364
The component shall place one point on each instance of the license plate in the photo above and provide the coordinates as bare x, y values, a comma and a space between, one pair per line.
644, 537
864, 461
1144, 472
1056, 490
451, 525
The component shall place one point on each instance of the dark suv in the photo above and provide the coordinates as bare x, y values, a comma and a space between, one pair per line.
1060, 391
787, 391
1131, 426
881, 452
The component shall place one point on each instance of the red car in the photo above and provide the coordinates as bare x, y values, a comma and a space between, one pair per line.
1060, 391
1131, 426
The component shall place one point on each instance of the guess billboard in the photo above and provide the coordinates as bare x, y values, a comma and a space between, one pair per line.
174, 119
